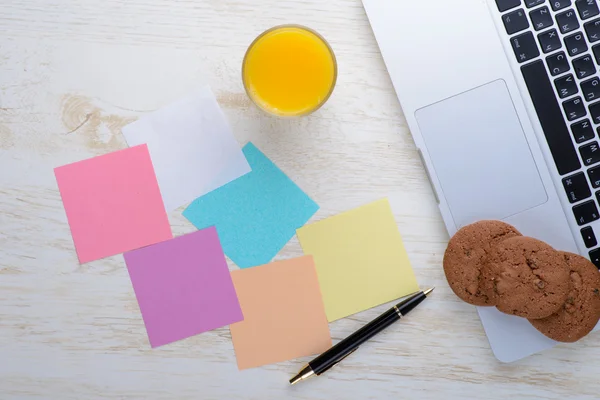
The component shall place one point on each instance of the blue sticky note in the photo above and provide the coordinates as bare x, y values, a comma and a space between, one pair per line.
256, 214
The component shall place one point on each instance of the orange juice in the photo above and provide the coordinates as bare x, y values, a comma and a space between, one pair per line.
289, 70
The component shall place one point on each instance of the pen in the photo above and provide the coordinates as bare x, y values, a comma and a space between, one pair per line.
347, 346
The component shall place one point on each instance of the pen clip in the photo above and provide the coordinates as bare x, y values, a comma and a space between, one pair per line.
338, 361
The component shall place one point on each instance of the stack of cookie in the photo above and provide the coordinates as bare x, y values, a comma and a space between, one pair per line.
490, 263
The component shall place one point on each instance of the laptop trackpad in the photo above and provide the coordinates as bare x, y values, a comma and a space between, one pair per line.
480, 155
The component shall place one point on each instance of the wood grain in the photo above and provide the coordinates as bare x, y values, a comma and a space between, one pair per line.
73, 73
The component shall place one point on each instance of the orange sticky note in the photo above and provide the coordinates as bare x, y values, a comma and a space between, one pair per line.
284, 316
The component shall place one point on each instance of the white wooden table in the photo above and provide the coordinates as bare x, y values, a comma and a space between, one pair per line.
73, 73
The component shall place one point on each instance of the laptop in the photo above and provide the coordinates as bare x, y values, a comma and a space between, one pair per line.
503, 100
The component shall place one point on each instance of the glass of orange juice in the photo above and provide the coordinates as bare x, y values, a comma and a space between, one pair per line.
289, 71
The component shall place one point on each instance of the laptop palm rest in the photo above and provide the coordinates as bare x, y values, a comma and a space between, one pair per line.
480, 155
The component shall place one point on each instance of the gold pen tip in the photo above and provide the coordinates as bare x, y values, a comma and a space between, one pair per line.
295, 380
306, 372
428, 291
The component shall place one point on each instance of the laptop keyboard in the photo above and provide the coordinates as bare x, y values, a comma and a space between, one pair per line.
557, 43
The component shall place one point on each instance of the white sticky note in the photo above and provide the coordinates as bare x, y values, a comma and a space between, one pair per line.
192, 147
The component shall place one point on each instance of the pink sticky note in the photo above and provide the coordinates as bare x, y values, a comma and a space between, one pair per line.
113, 203
183, 287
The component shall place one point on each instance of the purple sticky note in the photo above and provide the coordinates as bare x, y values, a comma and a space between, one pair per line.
183, 287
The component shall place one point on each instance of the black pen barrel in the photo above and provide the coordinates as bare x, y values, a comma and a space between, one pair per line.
410, 304
338, 352
344, 348
335, 354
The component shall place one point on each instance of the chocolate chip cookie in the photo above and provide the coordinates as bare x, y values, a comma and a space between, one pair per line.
581, 311
466, 257
530, 278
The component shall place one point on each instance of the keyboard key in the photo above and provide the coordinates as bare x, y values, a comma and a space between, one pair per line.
515, 21
557, 63
592, 29
591, 89
588, 236
594, 175
576, 187
586, 212
587, 8
582, 131
584, 66
548, 111
575, 44
533, 3
559, 4
574, 109
549, 41
567, 21
541, 18
595, 112
596, 50
595, 257
566, 86
524, 47
590, 153
504, 5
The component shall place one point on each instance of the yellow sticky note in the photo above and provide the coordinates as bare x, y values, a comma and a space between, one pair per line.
360, 259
